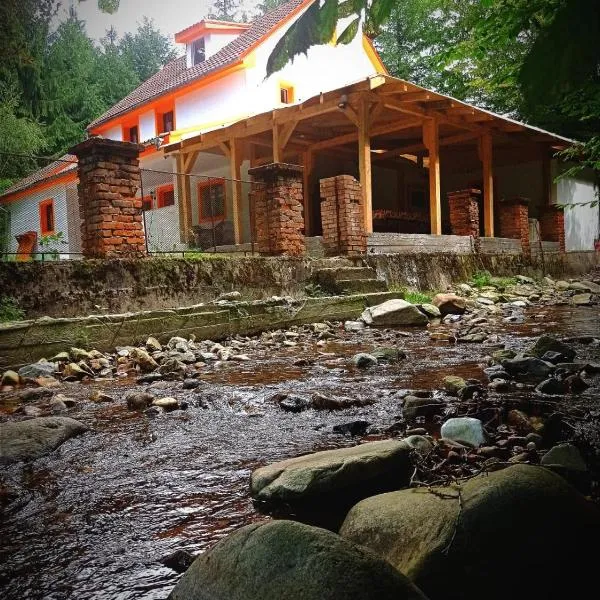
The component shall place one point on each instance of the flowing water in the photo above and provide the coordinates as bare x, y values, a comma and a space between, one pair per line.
95, 518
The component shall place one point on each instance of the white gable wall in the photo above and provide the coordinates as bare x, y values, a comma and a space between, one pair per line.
114, 133
147, 126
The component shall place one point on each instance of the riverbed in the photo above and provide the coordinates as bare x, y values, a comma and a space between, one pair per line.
95, 518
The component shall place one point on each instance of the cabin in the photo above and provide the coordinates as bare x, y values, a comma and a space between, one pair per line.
419, 161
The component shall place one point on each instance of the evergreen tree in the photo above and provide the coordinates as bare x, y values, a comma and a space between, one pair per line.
225, 10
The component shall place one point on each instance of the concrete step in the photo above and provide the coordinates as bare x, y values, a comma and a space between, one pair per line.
344, 273
361, 286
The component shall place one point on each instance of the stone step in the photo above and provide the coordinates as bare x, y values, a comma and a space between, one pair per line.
345, 273
361, 286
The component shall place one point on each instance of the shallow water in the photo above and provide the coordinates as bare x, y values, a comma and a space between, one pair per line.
98, 515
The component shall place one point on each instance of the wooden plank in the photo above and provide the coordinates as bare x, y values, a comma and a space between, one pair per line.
364, 165
486, 156
277, 151
235, 163
432, 143
415, 148
189, 160
307, 161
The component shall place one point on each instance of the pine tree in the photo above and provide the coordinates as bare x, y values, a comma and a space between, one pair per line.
225, 10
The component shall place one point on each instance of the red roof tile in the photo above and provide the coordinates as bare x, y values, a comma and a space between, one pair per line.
175, 74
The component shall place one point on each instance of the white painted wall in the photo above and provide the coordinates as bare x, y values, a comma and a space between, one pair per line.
25, 216
147, 126
114, 133
582, 223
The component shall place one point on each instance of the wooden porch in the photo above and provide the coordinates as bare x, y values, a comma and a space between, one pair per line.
381, 123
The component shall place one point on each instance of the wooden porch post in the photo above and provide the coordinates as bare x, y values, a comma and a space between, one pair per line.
486, 156
307, 161
184, 193
364, 164
431, 141
235, 162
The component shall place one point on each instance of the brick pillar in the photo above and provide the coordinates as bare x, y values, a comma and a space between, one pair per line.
464, 214
514, 221
552, 225
342, 216
111, 215
278, 207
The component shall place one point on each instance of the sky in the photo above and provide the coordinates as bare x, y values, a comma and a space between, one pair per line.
170, 16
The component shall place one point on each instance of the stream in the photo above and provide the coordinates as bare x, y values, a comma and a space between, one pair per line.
96, 517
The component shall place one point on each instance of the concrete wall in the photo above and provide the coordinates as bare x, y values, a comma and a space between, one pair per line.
71, 288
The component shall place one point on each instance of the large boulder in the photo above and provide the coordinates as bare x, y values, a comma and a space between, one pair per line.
518, 533
450, 304
320, 488
547, 343
288, 560
394, 313
30, 439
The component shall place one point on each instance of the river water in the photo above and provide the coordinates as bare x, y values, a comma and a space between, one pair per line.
95, 518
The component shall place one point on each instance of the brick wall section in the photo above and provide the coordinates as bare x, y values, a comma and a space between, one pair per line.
342, 216
514, 221
464, 214
278, 209
552, 226
109, 178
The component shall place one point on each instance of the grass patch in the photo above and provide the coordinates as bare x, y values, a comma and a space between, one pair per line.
414, 297
486, 279
10, 310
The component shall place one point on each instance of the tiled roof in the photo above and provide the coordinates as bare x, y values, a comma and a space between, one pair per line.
47, 173
175, 74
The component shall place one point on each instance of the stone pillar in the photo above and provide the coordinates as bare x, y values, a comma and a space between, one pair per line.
278, 206
514, 221
111, 215
552, 225
464, 214
342, 216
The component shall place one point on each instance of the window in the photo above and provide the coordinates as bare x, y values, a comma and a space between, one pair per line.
211, 199
168, 122
134, 135
47, 217
198, 52
286, 94
165, 196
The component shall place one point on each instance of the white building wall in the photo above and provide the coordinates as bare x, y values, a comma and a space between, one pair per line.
114, 133
147, 126
25, 216
582, 223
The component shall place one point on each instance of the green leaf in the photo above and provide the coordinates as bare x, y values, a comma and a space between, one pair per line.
350, 32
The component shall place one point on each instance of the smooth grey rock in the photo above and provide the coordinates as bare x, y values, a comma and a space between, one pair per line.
496, 372
582, 299
552, 387
421, 407
153, 345
352, 428
166, 403
39, 369
286, 560
464, 430
454, 541
354, 325
138, 400
33, 438
292, 403
230, 296
527, 365
143, 360
10, 378
452, 384
388, 354
430, 310
564, 456
524, 279
394, 313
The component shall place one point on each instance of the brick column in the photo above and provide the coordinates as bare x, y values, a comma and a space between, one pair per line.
552, 225
464, 214
111, 215
514, 221
342, 216
278, 209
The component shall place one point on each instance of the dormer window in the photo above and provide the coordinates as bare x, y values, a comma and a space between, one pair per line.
198, 51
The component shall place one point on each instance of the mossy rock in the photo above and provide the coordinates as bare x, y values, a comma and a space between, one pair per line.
518, 533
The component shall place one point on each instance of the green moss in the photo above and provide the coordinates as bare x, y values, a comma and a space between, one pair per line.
10, 310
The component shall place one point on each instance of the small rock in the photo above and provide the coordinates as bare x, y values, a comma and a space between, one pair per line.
354, 325
139, 400
548, 343
364, 361
66, 400
421, 407
430, 310
520, 421
534, 438
352, 428
191, 384
98, 396
77, 354
575, 384
499, 385
450, 304
394, 313
388, 354
73, 370
180, 561
10, 378
496, 372
153, 345
39, 369
552, 387
582, 299
452, 384
61, 357
554, 357
525, 280
291, 403
564, 456
167, 403
143, 360
464, 430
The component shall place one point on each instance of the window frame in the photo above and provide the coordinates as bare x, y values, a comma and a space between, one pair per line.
207, 184
42, 208
160, 193
160, 121
196, 43
137, 134
288, 89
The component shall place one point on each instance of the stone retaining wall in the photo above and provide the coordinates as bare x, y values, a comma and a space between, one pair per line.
72, 288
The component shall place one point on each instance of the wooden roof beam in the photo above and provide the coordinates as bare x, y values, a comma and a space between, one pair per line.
420, 146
